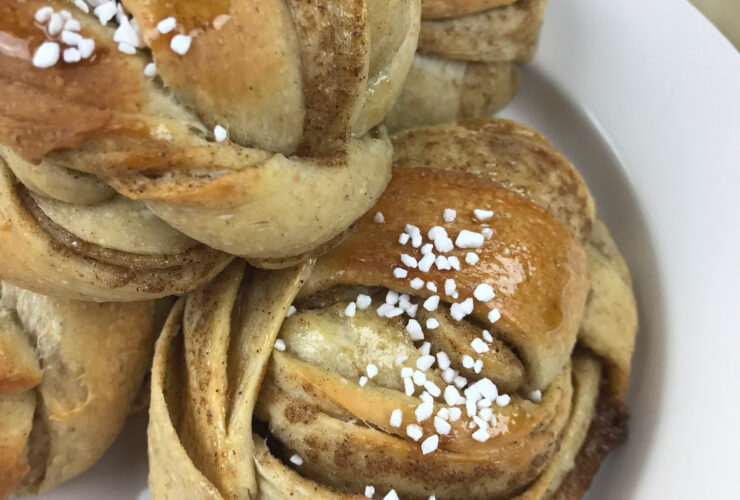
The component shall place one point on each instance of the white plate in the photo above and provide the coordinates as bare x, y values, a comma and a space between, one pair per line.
644, 97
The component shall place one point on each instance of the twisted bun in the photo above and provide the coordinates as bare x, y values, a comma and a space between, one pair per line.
300, 87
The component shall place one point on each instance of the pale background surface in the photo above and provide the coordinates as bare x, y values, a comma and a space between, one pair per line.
725, 14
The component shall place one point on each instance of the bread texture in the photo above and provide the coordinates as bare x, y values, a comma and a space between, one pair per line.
467, 64
70, 373
559, 350
300, 88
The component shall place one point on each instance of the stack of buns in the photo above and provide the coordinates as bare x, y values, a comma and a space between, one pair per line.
359, 284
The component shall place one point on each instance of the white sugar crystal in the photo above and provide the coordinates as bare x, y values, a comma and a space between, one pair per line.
408, 386
82, 5
481, 423
180, 44
535, 396
71, 55
394, 312
457, 311
481, 435
478, 366
449, 215
432, 323
46, 55
452, 396
43, 15
296, 459
444, 413
291, 311
414, 330
166, 25
469, 239
71, 38
450, 287
86, 47
467, 361
479, 346
425, 362
400, 273
444, 245
484, 292
411, 230
56, 24
472, 258
403, 238
455, 414
72, 25
454, 262
431, 303
487, 336
411, 311
426, 262
443, 360
416, 240
363, 381
419, 378
363, 301
417, 283
150, 70
105, 12
467, 305
448, 375
436, 232
487, 388
220, 133
485, 414
432, 286
433, 389
442, 263
487, 233
430, 444
384, 310
460, 381
427, 248
414, 431
425, 348
127, 48
280, 344
392, 495
494, 316
503, 400
407, 371
369, 491
396, 418
350, 310
470, 408
482, 215
372, 371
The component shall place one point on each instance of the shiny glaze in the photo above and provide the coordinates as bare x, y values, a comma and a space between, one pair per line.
57, 107
529, 261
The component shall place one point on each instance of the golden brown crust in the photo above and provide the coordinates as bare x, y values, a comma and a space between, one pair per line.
215, 353
313, 78
543, 276
524, 162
